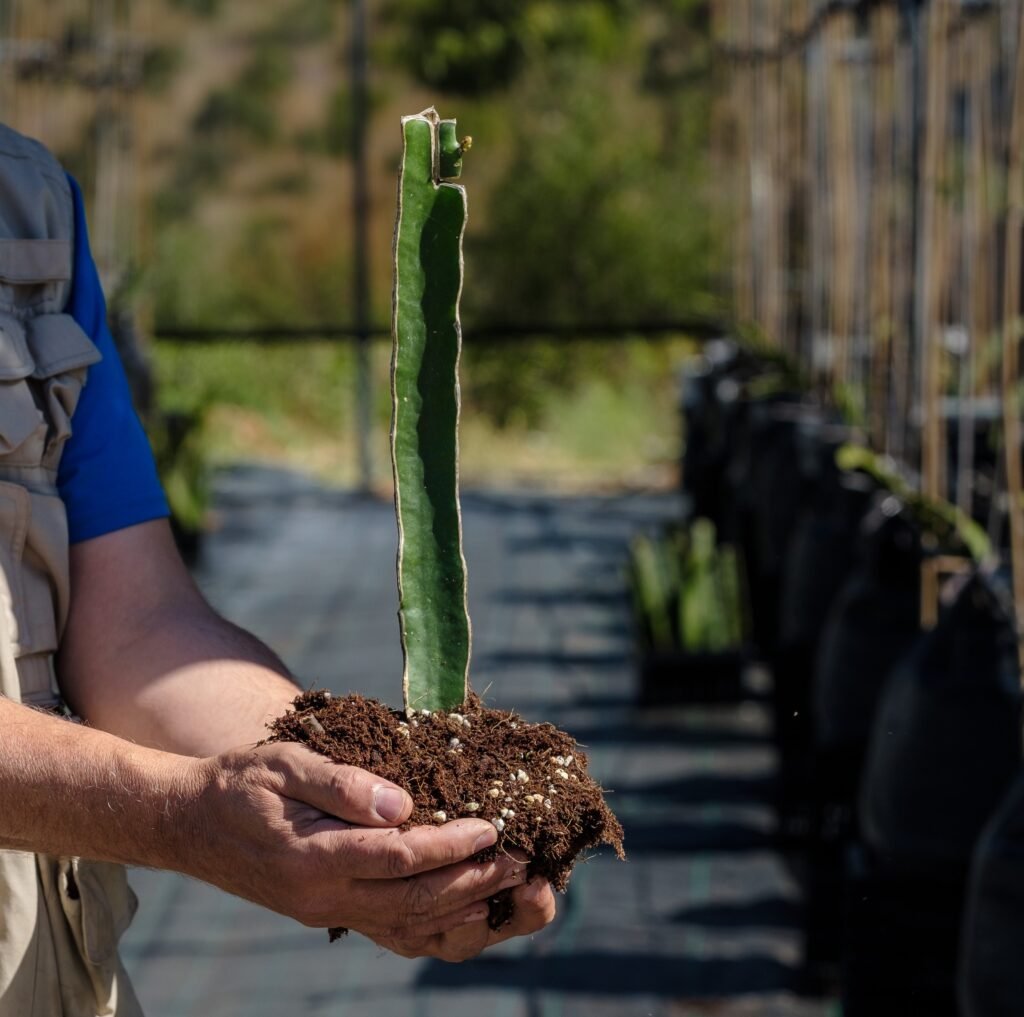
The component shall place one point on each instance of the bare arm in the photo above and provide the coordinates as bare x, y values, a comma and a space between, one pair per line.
64, 788
145, 657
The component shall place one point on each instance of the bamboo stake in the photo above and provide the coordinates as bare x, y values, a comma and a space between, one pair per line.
978, 270
932, 250
938, 569
760, 172
959, 269
988, 160
1011, 335
816, 200
903, 211
881, 268
743, 261
774, 257
795, 163
861, 73
843, 199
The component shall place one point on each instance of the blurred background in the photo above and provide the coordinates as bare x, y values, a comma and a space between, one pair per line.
741, 454
218, 143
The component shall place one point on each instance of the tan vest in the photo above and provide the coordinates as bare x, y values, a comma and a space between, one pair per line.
60, 918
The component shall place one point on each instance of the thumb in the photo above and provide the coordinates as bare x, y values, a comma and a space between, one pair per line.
347, 792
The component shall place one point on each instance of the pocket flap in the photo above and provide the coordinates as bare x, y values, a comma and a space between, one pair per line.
25, 262
15, 360
107, 907
19, 418
58, 344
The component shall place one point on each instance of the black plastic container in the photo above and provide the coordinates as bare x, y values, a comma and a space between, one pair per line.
820, 559
873, 622
675, 677
901, 940
946, 743
768, 492
991, 977
945, 746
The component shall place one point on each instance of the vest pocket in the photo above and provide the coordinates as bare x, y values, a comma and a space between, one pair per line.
22, 424
43, 364
33, 586
15, 506
61, 354
98, 905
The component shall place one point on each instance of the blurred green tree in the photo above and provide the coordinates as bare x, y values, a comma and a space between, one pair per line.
473, 47
598, 216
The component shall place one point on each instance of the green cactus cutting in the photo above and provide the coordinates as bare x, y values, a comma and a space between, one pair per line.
427, 340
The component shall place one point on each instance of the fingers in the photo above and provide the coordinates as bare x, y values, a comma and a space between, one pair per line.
419, 934
399, 854
401, 905
391, 907
535, 908
346, 792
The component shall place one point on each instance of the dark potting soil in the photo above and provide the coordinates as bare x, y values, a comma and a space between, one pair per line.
531, 780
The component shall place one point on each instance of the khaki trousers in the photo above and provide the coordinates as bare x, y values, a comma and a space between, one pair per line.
60, 922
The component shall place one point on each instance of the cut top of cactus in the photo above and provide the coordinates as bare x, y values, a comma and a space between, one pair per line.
427, 340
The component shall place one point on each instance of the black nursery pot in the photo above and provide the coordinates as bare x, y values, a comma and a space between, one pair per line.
767, 487
823, 549
945, 746
821, 557
900, 941
991, 976
676, 677
873, 622
947, 741
706, 394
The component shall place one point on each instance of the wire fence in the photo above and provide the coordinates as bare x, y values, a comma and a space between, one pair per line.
694, 328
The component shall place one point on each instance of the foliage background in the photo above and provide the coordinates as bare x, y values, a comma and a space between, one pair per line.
590, 121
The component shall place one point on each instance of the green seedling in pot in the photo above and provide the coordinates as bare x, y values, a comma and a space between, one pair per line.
653, 589
686, 590
952, 530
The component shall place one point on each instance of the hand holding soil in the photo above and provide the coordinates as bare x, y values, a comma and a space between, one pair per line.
296, 833
528, 781
533, 907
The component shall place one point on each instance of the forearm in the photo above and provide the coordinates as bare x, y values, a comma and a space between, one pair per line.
144, 656
69, 790
188, 682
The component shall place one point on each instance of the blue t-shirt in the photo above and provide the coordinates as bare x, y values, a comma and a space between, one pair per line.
107, 477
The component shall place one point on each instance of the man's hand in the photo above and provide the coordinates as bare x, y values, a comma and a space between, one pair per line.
534, 908
288, 829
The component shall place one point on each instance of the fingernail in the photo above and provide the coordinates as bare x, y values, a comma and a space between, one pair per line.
486, 839
389, 802
476, 915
